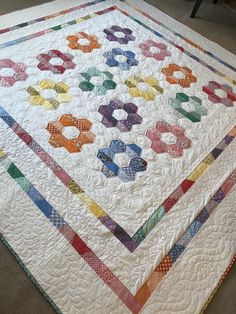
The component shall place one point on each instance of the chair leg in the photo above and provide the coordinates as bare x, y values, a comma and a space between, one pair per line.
196, 7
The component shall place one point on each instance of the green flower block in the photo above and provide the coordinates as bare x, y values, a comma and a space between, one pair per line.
193, 115
99, 89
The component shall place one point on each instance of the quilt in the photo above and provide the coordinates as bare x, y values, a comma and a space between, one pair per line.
117, 157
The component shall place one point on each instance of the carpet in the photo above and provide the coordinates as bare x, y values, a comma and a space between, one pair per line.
117, 157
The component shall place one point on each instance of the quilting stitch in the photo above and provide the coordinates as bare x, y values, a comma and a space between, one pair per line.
133, 302
131, 243
195, 228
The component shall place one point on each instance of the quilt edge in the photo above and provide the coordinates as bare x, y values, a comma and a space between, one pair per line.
58, 311
219, 284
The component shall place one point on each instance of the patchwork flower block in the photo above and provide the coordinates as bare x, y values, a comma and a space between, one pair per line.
193, 115
227, 97
176, 74
160, 55
159, 145
45, 61
99, 88
60, 89
90, 46
16, 72
111, 168
111, 34
73, 140
126, 65
151, 84
115, 105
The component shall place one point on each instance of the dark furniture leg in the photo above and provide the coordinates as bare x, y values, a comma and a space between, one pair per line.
196, 7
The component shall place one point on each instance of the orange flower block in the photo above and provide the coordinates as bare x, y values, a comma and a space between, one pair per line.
81, 134
92, 42
176, 74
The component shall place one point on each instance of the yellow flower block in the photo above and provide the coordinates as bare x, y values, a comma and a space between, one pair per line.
153, 87
60, 88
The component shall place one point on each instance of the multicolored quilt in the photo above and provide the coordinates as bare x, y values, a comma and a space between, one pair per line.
117, 157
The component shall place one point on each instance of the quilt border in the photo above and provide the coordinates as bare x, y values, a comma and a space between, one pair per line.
134, 302
221, 281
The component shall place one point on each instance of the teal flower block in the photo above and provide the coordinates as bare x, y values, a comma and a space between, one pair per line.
106, 83
194, 114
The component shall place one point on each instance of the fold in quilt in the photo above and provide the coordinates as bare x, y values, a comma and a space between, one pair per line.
117, 157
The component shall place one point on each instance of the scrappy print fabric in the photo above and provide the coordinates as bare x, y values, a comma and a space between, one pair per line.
18, 72
117, 150
110, 120
78, 135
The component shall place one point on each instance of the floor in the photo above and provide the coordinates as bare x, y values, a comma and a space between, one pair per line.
216, 22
